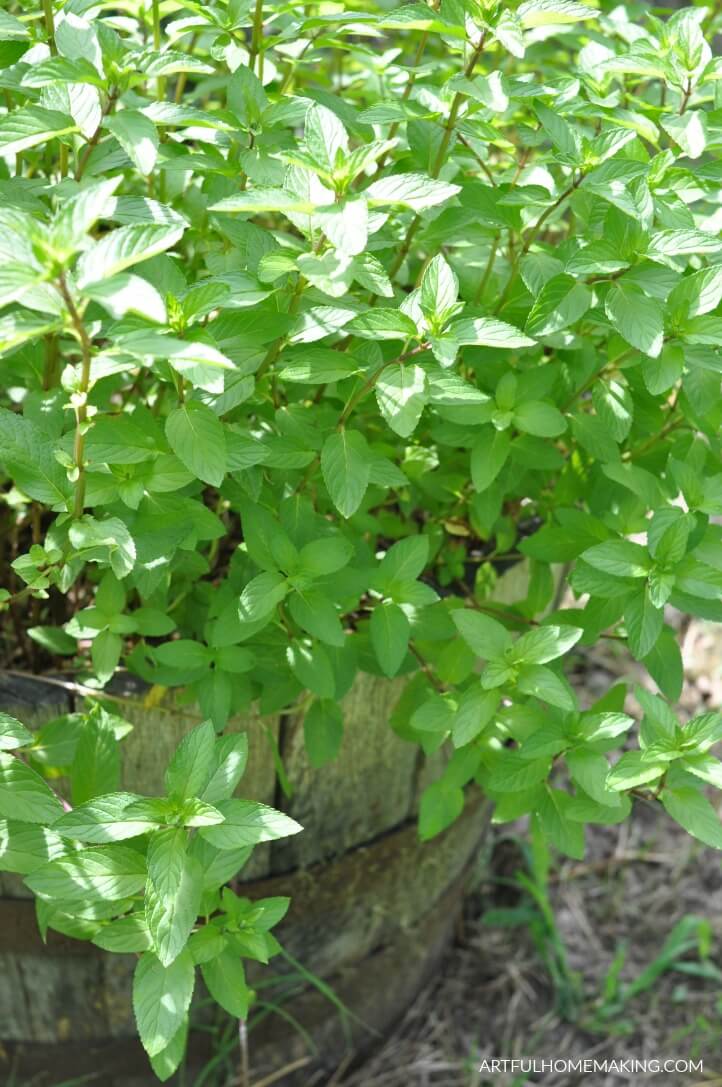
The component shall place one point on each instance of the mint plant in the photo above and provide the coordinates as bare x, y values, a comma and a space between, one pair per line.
313, 322
144, 874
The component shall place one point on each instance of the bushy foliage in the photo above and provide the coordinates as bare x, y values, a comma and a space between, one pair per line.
314, 319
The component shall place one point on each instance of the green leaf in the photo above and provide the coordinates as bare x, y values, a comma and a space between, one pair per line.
226, 981
546, 685
230, 758
264, 200
161, 998
165, 1063
27, 846
589, 770
475, 711
546, 643
18, 328
404, 561
183, 654
189, 770
621, 558
508, 772
24, 795
604, 726
123, 247
382, 324
345, 464
558, 825
644, 623
196, 436
138, 137
489, 454
96, 766
633, 769
533, 13
705, 767
317, 366
317, 615
484, 635
564, 138
248, 823
638, 319
127, 293
702, 731
562, 301
13, 734
79, 214
441, 805
104, 820
172, 894
325, 556
439, 287
108, 873
326, 138
539, 418
389, 630
312, 667
401, 394
693, 811
487, 332
24, 128
323, 731
415, 191
261, 596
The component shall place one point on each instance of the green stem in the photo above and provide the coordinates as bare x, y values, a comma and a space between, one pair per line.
369, 384
276, 348
183, 76
81, 411
487, 271
457, 102
92, 142
531, 238
611, 365
50, 26
160, 82
256, 48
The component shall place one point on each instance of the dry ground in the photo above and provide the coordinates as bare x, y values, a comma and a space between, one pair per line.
498, 998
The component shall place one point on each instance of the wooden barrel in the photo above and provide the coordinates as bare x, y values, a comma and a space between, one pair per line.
373, 908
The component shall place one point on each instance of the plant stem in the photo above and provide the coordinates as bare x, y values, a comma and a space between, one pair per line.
597, 374
50, 26
160, 81
457, 102
368, 385
487, 271
407, 91
81, 410
52, 45
255, 51
183, 76
531, 237
92, 142
276, 348
244, 1070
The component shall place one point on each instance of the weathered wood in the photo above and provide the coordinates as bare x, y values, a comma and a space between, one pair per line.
366, 790
377, 989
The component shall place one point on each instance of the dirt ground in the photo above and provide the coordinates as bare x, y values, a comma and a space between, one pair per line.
623, 972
